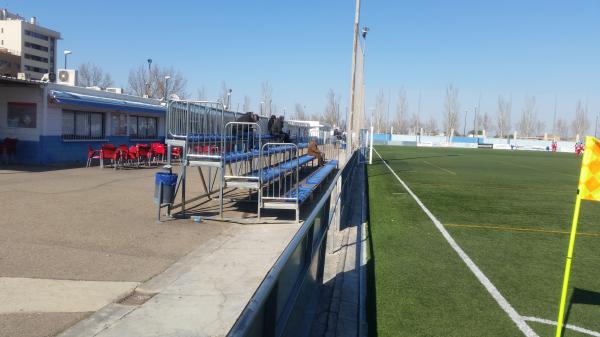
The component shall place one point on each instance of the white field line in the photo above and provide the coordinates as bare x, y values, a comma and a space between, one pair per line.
441, 168
512, 313
568, 326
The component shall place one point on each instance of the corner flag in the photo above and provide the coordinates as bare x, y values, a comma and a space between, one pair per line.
588, 189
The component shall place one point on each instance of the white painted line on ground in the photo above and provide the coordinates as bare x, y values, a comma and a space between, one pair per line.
489, 286
438, 167
568, 326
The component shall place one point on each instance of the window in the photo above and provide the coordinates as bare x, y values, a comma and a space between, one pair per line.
35, 46
21, 115
119, 124
36, 69
36, 58
141, 127
82, 125
36, 35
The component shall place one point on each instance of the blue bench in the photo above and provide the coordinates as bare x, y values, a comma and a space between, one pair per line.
270, 173
304, 191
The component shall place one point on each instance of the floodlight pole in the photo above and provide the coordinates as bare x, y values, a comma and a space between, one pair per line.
371, 147
350, 121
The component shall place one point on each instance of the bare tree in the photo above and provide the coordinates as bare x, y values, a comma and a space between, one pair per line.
528, 123
580, 122
379, 112
484, 122
300, 114
414, 124
400, 122
451, 109
142, 82
202, 94
247, 104
430, 127
503, 116
562, 128
267, 97
91, 75
331, 114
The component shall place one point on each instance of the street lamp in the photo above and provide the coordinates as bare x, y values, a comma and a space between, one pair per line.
167, 78
67, 52
262, 107
148, 82
228, 106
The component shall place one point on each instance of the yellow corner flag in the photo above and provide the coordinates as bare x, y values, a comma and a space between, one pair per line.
588, 189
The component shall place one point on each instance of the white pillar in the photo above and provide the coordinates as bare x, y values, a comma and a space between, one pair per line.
371, 148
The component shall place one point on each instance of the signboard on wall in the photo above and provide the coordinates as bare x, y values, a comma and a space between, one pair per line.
21, 115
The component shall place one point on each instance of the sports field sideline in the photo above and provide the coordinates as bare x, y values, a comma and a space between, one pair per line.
510, 212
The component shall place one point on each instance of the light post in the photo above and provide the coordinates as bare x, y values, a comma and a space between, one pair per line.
148, 82
465, 125
67, 52
262, 107
228, 100
167, 78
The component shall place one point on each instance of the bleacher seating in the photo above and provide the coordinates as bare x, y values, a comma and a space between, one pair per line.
305, 190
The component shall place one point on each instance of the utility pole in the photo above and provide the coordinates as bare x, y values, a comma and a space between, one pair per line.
475, 122
465, 124
350, 122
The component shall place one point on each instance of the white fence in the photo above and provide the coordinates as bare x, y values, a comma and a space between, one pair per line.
462, 142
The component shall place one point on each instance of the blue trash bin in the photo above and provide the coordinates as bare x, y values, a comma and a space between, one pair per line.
168, 182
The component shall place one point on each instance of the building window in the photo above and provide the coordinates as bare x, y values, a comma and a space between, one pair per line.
141, 127
82, 125
21, 115
119, 124
36, 69
36, 58
35, 46
36, 35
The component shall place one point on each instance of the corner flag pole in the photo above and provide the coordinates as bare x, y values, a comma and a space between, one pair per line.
565, 287
588, 189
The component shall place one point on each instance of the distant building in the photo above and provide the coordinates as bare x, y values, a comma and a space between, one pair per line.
10, 64
33, 44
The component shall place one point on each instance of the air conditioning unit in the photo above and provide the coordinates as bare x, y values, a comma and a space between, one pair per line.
115, 90
67, 77
23, 76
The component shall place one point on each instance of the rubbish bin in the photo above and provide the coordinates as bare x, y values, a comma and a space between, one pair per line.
168, 181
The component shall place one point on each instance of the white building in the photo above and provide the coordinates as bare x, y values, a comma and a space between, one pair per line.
55, 123
34, 44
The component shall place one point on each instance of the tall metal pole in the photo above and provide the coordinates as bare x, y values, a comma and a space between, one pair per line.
554, 119
350, 122
465, 124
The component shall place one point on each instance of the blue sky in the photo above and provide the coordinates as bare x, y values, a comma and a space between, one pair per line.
515, 48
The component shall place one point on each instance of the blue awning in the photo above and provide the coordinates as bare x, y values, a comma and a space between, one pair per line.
71, 98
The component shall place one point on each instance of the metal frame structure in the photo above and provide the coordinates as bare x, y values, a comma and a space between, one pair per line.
276, 194
212, 139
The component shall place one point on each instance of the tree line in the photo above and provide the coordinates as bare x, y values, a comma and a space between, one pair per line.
151, 81
528, 123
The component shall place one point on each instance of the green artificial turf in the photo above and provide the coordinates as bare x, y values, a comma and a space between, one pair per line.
420, 287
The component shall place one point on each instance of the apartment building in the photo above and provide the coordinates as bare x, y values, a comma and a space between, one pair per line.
34, 44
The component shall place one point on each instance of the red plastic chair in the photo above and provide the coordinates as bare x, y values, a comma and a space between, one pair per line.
176, 152
143, 153
92, 154
121, 155
158, 150
108, 151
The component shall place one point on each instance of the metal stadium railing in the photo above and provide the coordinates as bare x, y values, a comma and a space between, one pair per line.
283, 303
